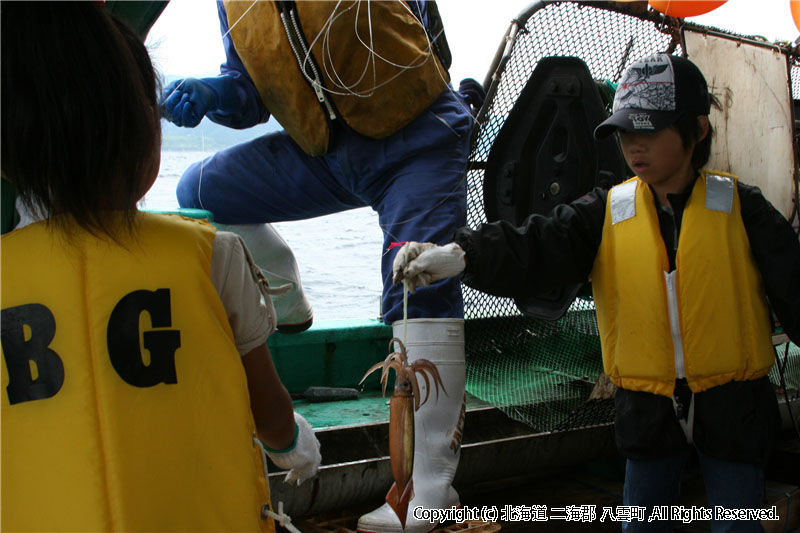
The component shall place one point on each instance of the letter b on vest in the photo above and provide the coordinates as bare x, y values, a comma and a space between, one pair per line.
123, 339
19, 353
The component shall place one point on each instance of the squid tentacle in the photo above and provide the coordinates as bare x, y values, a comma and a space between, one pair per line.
401, 419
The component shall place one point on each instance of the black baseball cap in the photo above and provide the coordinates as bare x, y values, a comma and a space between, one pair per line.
654, 92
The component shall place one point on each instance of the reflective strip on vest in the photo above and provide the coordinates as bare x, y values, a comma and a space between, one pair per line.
719, 193
623, 202
719, 197
675, 324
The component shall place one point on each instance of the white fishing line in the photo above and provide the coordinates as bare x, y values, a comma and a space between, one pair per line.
348, 90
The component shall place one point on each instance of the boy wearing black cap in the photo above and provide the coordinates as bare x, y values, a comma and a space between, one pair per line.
683, 263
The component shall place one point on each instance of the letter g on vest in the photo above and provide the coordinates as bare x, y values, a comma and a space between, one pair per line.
123, 339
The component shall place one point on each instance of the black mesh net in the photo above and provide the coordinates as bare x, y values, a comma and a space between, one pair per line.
795, 72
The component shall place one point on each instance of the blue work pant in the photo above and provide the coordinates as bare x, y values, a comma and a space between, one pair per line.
414, 179
728, 484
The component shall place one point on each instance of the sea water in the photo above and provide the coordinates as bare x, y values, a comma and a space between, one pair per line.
338, 255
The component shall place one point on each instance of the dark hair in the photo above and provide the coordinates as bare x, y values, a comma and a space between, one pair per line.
79, 107
689, 132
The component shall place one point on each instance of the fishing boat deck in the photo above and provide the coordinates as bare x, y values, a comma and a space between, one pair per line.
598, 483
371, 407
503, 463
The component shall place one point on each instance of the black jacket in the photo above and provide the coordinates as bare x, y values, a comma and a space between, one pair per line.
736, 421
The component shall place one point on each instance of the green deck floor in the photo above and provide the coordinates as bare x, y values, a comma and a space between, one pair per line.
369, 408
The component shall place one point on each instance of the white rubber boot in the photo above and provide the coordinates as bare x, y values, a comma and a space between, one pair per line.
438, 425
276, 261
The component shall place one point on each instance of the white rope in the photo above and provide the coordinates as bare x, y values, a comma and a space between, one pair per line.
406, 288
199, 183
283, 519
335, 78
223, 37
240, 18
423, 214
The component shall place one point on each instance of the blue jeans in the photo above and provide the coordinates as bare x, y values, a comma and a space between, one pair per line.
414, 179
650, 483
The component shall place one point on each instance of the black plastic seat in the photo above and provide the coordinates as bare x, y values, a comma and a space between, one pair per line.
545, 155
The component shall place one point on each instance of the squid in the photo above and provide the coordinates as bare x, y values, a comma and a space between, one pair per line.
404, 402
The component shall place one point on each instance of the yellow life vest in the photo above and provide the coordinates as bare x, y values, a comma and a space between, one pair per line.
124, 401
376, 95
708, 320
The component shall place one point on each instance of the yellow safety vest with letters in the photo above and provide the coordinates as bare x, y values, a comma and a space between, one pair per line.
708, 320
124, 401
369, 64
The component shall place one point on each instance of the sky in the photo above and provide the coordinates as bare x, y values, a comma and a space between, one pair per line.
186, 41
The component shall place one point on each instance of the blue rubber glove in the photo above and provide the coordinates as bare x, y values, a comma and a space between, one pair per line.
185, 102
472, 91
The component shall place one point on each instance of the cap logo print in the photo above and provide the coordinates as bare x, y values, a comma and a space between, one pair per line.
651, 86
641, 121
644, 73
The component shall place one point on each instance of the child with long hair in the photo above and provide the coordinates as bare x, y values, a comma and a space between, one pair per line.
138, 389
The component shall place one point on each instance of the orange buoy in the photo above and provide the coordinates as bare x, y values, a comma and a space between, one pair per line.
687, 8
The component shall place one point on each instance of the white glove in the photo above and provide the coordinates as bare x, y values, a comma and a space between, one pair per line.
420, 264
405, 255
302, 457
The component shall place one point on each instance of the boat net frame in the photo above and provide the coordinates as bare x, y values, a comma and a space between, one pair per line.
540, 372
